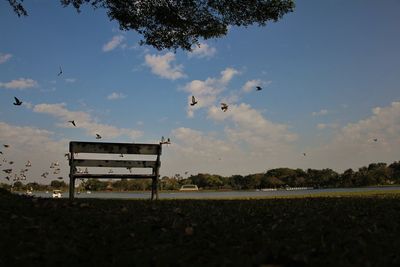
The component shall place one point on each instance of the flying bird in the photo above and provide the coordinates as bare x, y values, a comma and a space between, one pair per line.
224, 107
73, 122
165, 142
17, 102
60, 72
6, 145
98, 136
7, 170
194, 102
258, 88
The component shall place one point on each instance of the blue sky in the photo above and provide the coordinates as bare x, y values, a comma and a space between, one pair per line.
329, 71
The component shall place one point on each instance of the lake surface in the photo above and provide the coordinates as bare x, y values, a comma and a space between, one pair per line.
216, 194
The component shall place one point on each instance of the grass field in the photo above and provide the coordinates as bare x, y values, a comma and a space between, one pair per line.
351, 230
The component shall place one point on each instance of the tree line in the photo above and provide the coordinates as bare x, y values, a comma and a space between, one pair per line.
371, 175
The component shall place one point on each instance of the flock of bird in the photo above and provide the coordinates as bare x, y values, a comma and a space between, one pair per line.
55, 165
21, 176
224, 106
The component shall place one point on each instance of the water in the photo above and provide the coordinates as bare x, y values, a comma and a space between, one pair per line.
216, 194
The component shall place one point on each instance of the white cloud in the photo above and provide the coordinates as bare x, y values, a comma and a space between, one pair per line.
250, 85
203, 50
34, 144
21, 83
322, 126
113, 43
196, 151
162, 66
84, 121
4, 57
251, 127
70, 80
206, 92
322, 112
354, 146
115, 96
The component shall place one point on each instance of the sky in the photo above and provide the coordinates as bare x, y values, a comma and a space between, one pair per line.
330, 73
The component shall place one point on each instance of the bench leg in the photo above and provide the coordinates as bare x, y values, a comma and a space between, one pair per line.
154, 189
71, 188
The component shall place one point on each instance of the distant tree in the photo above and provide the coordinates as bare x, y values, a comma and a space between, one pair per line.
271, 182
378, 173
180, 24
236, 182
57, 184
394, 170
95, 185
18, 185
347, 178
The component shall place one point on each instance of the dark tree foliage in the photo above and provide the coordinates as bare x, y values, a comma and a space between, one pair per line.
176, 24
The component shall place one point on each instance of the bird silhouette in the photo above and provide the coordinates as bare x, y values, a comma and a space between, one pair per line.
98, 136
375, 139
5, 145
11, 162
194, 102
73, 122
60, 72
304, 154
224, 107
7, 178
258, 88
17, 102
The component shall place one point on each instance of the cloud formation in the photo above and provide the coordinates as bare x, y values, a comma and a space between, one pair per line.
70, 80
84, 121
113, 43
4, 58
203, 50
207, 91
322, 112
115, 96
161, 65
354, 145
36, 145
21, 83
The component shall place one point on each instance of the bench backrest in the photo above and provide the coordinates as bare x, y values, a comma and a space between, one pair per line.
114, 148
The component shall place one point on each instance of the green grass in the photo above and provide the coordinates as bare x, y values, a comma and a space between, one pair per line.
351, 230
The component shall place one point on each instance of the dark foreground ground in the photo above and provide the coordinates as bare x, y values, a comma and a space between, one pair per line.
322, 231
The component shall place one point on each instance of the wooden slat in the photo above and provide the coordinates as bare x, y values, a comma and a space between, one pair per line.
114, 148
115, 163
113, 176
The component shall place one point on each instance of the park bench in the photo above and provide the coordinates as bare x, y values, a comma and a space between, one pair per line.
101, 149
